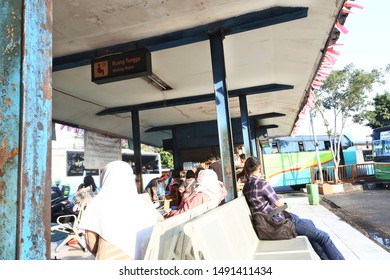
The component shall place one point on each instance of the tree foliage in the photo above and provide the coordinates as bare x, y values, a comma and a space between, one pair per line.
343, 96
166, 158
378, 117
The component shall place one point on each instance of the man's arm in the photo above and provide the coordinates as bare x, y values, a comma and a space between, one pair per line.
272, 195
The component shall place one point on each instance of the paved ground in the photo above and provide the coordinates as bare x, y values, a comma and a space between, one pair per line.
367, 210
352, 243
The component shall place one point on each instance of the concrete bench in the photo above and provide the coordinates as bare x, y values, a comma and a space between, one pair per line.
226, 233
168, 241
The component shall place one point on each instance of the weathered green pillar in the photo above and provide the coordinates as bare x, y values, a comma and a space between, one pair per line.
25, 128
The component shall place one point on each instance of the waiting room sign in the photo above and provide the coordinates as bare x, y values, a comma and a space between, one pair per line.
118, 67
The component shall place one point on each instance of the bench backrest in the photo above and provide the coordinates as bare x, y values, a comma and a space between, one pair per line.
168, 241
223, 233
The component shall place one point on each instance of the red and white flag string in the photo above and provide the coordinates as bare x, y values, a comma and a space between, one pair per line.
325, 68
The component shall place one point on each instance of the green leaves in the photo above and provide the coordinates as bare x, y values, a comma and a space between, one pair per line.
345, 91
380, 116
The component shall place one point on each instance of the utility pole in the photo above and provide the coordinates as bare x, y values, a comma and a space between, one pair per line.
316, 147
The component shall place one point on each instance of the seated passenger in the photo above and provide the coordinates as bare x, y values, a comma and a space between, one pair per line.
151, 189
187, 186
207, 188
118, 222
173, 188
85, 192
261, 197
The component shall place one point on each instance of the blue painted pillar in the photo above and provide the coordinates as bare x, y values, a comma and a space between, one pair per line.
223, 114
255, 151
137, 148
245, 126
175, 151
25, 129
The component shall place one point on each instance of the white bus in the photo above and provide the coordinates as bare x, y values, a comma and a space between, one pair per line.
68, 166
151, 164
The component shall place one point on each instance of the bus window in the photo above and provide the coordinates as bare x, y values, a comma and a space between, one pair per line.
288, 147
326, 145
300, 145
149, 163
367, 155
275, 149
309, 146
377, 147
386, 147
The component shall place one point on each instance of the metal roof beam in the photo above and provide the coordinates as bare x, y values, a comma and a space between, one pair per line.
193, 99
256, 117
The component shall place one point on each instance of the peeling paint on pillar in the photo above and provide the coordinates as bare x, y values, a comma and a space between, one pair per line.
25, 129
10, 46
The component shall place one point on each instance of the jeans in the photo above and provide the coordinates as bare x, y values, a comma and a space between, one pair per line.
320, 240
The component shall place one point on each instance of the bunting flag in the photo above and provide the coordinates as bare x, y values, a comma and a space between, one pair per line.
311, 100
69, 128
333, 51
347, 11
341, 28
324, 72
353, 4
325, 68
330, 59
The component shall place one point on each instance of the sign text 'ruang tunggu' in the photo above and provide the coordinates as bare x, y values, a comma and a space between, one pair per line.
117, 67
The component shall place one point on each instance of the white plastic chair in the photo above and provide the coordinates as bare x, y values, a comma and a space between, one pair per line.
69, 224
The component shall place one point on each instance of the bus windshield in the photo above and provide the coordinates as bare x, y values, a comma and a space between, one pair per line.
150, 162
381, 152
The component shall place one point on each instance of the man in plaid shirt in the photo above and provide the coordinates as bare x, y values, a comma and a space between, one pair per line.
261, 197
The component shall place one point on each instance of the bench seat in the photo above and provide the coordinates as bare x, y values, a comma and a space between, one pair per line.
168, 241
226, 233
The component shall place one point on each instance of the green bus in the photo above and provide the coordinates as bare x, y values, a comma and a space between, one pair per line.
381, 152
287, 160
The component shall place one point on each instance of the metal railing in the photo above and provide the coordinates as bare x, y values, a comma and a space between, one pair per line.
347, 172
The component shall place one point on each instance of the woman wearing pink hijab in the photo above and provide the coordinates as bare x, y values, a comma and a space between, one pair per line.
118, 222
207, 188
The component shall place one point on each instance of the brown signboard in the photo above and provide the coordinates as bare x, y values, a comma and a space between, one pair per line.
118, 67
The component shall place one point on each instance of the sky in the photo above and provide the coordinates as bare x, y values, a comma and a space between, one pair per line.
367, 46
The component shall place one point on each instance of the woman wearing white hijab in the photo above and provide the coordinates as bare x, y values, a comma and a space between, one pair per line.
118, 222
207, 188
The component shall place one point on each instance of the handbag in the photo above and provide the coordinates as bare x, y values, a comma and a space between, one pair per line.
268, 229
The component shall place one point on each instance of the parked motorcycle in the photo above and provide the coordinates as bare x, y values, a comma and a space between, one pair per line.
60, 206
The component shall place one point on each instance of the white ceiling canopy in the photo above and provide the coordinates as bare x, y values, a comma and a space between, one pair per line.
272, 53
